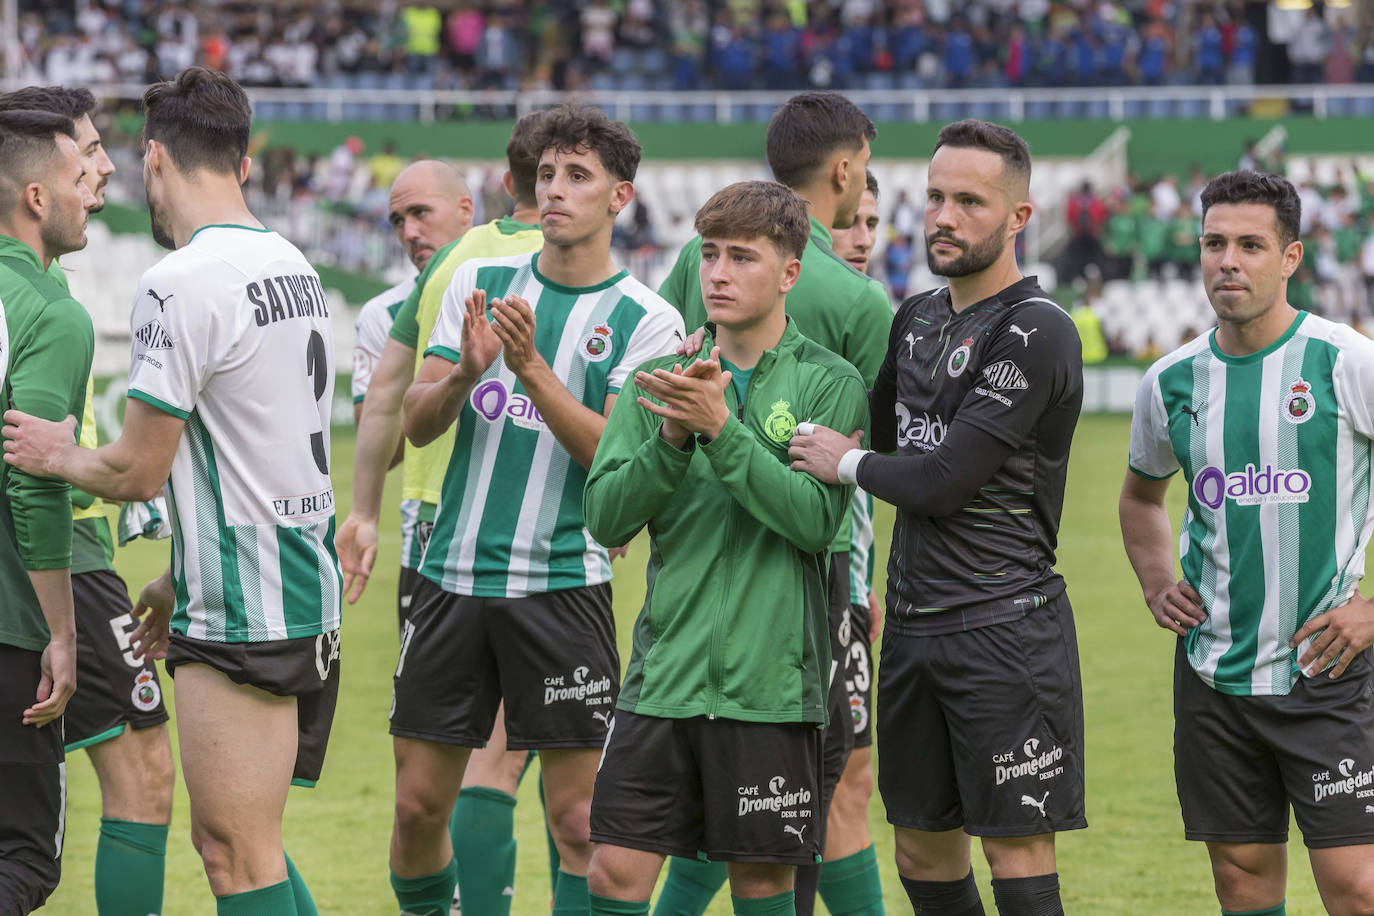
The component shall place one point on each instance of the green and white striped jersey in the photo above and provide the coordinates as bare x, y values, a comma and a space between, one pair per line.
860, 547
510, 521
1275, 447
232, 335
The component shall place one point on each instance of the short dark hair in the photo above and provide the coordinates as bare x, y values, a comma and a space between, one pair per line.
71, 103
871, 184
972, 133
749, 209
28, 142
522, 157
1247, 187
203, 119
568, 128
808, 128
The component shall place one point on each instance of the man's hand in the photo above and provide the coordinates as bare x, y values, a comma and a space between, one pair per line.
514, 325
692, 345
154, 608
1177, 608
480, 344
57, 683
34, 445
618, 552
818, 453
1348, 631
875, 617
356, 544
693, 398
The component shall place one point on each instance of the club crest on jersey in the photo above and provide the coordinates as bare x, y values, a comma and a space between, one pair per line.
153, 336
958, 360
858, 712
1300, 404
780, 424
146, 694
596, 346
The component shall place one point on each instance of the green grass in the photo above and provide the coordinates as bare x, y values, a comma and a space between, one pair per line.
1132, 859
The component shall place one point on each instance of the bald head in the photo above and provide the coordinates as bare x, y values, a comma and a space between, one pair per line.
430, 207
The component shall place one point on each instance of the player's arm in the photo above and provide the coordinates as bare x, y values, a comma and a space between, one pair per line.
866, 337
882, 399
635, 471
132, 468
1145, 531
577, 427
379, 444
448, 373
48, 379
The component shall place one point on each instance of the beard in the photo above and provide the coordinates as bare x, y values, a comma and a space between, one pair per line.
161, 233
974, 258
66, 231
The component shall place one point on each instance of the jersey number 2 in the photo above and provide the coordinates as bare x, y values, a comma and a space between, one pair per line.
317, 367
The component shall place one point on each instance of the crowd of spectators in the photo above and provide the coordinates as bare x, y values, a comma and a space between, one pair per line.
701, 44
1149, 229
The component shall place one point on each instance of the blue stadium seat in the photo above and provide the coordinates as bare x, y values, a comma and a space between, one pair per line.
654, 62
1039, 111
880, 80
622, 60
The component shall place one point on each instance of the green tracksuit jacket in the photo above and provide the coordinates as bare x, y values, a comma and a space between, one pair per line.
45, 347
734, 621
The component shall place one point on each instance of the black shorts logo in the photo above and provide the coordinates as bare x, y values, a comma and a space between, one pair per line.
326, 652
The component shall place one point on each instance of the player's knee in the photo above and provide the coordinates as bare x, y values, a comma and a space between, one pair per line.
1244, 880
159, 774
1355, 896
604, 878
418, 811
756, 880
571, 824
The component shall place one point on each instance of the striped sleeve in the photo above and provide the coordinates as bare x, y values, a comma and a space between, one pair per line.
1152, 452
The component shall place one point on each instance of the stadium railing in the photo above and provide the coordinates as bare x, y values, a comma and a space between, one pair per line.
347, 98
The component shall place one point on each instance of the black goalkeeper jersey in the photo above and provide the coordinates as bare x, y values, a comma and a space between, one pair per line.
980, 407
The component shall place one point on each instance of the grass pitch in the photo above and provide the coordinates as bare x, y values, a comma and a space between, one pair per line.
1131, 860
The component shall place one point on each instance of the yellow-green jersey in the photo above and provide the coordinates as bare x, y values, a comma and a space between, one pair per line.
423, 473
92, 543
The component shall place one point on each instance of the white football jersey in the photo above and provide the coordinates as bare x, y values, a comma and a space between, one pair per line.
232, 335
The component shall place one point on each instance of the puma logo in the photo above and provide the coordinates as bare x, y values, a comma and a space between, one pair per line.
1188, 409
1024, 335
1038, 805
788, 828
605, 718
911, 343
161, 300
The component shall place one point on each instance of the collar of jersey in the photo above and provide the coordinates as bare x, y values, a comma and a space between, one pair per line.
789, 340
507, 225
819, 233
12, 247
574, 290
1022, 289
1258, 354
225, 226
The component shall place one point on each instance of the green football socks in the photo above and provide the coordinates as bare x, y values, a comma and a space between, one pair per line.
427, 895
690, 886
852, 886
483, 832
604, 906
1280, 910
570, 896
777, 905
130, 860
305, 904
275, 899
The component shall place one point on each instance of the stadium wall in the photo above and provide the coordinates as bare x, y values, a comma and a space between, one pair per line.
1156, 146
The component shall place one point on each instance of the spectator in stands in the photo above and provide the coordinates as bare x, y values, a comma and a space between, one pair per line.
1308, 47
341, 163
905, 218
1164, 197
1086, 213
598, 32
462, 34
385, 166
897, 263
1207, 51
1240, 65
781, 53
422, 25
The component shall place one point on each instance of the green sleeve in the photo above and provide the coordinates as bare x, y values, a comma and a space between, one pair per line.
81, 499
48, 379
866, 331
634, 473
795, 505
682, 287
405, 327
